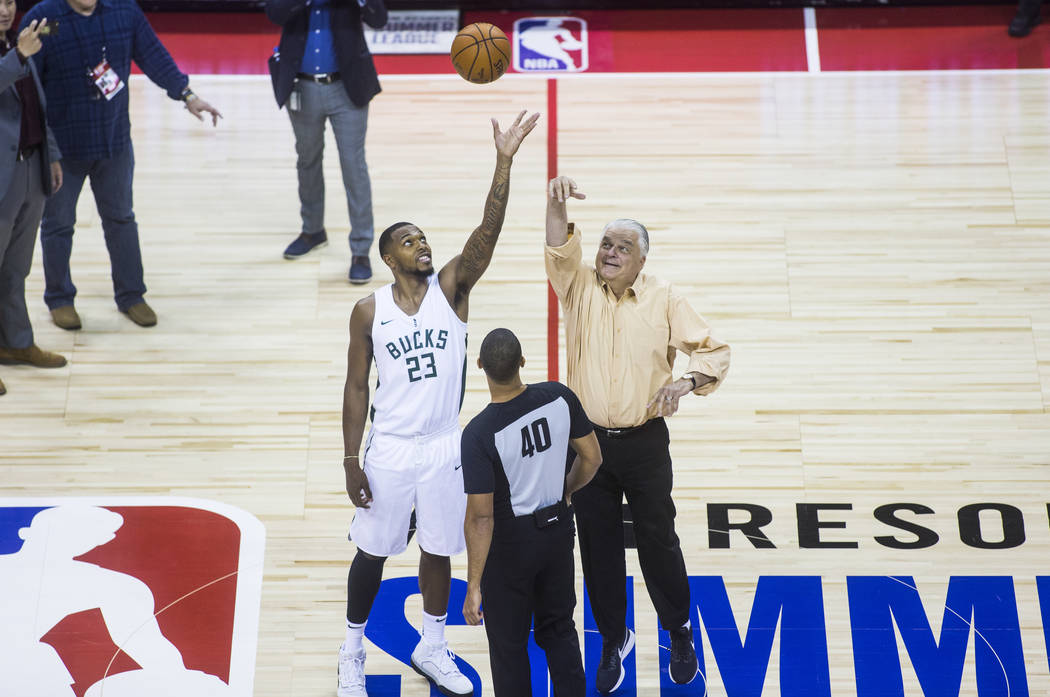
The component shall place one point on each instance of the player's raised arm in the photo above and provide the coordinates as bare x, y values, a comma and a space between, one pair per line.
460, 275
355, 399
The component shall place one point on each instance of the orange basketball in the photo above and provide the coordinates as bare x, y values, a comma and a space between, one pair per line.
480, 52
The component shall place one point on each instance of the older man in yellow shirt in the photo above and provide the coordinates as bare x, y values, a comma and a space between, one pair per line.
623, 328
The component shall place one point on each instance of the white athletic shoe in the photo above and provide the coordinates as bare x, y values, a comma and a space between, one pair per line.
351, 673
436, 664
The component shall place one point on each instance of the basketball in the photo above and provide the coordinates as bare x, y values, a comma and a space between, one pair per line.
480, 52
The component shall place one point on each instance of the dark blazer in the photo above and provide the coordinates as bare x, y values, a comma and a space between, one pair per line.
11, 70
355, 62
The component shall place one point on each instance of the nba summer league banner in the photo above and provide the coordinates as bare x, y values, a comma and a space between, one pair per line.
829, 599
128, 597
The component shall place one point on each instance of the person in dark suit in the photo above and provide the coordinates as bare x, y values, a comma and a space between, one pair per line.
29, 172
1026, 18
322, 71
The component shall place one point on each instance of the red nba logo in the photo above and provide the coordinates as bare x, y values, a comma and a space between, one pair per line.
116, 598
550, 44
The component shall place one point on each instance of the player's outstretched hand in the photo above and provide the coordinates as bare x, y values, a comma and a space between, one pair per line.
561, 189
507, 141
357, 486
472, 606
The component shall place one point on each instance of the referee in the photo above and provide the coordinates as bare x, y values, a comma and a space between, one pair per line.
518, 526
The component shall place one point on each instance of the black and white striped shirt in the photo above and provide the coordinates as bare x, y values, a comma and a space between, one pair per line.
517, 450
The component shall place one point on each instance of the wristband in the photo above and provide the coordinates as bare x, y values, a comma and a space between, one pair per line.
188, 95
692, 380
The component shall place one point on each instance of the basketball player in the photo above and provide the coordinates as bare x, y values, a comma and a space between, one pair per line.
518, 527
415, 329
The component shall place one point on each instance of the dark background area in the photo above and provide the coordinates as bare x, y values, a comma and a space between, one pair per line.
556, 5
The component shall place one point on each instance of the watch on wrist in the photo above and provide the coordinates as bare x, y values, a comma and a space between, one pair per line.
188, 95
692, 379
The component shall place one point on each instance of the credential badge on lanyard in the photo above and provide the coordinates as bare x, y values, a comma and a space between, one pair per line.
106, 79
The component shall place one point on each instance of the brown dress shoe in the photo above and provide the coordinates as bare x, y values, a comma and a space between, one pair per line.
141, 314
66, 317
34, 355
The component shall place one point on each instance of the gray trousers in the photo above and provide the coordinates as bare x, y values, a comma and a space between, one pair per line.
318, 103
20, 211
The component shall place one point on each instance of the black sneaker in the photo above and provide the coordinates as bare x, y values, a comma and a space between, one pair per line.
610, 669
683, 667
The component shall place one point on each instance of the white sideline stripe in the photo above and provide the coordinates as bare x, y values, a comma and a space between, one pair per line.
809, 18
721, 75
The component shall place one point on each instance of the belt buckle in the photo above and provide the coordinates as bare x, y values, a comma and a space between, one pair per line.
616, 432
323, 78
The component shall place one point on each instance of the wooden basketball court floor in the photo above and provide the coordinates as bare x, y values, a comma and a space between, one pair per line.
874, 246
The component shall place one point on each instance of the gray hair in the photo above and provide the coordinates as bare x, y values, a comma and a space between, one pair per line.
634, 226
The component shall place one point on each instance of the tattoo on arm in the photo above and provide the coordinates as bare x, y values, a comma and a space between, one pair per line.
477, 253
496, 205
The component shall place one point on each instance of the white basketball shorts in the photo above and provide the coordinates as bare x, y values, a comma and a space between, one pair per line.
420, 472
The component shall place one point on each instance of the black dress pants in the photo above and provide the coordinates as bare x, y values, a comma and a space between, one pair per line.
529, 580
636, 465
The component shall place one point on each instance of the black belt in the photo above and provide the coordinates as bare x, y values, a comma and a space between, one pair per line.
548, 515
320, 78
622, 432
27, 153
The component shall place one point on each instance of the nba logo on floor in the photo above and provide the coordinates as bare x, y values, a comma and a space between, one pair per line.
120, 597
550, 44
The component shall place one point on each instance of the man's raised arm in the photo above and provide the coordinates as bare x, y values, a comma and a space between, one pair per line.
466, 269
559, 191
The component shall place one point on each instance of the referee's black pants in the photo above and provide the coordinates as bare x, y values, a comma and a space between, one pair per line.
529, 579
636, 465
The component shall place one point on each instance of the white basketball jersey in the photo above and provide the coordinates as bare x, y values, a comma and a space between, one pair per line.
421, 362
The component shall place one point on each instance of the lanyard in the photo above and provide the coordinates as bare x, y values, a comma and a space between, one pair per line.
81, 40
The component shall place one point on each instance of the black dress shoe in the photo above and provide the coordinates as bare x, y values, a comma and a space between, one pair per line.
360, 270
1025, 20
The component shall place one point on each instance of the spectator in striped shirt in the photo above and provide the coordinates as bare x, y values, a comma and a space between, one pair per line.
84, 68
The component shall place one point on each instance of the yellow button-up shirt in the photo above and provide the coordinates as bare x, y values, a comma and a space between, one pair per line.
621, 350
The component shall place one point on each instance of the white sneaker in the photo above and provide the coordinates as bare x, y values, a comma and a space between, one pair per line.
437, 664
351, 673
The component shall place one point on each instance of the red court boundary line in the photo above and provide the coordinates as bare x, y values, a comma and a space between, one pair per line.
552, 171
